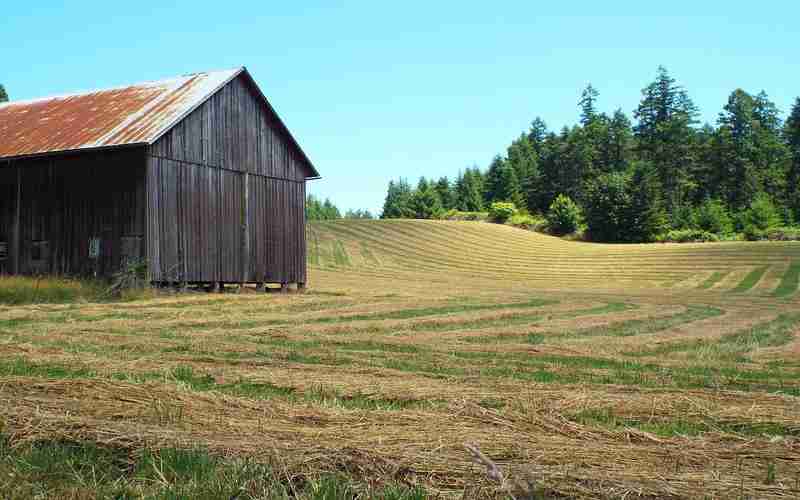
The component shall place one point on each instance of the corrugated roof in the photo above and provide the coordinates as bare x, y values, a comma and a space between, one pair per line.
134, 114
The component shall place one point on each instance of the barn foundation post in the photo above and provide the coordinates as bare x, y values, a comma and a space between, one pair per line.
220, 287
284, 288
301, 287
259, 286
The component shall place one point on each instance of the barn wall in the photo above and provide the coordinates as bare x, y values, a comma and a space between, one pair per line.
66, 202
226, 196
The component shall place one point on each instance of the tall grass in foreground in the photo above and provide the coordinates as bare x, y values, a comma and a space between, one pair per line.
20, 290
16, 290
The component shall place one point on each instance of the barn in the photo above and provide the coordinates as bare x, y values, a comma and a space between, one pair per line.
196, 176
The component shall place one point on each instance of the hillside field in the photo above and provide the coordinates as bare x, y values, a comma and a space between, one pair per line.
585, 370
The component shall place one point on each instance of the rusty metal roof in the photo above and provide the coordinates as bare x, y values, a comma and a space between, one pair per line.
134, 114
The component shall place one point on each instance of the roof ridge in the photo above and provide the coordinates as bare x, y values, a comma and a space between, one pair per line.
148, 83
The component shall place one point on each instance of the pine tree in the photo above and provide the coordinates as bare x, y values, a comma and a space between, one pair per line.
666, 116
620, 142
738, 154
398, 201
587, 104
523, 159
502, 184
469, 193
425, 202
646, 216
446, 194
3, 94
792, 136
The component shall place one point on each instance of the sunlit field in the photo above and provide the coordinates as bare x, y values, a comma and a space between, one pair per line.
580, 370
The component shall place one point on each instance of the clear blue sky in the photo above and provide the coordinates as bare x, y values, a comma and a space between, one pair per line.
377, 90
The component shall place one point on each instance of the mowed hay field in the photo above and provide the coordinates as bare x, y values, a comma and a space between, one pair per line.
588, 371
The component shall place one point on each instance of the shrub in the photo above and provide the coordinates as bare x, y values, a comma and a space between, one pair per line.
783, 234
454, 214
712, 216
564, 216
687, 236
760, 217
501, 211
527, 221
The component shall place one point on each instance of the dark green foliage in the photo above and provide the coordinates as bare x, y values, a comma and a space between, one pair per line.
792, 135
607, 203
398, 201
699, 180
502, 183
501, 211
564, 216
425, 202
665, 135
760, 217
321, 210
446, 194
3, 94
646, 217
712, 216
687, 236
358, 214
469, 191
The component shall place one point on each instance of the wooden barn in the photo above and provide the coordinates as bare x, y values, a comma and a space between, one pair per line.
197, 176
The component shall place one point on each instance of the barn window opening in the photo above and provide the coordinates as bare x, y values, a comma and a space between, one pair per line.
94, 248
3, 250
131, 249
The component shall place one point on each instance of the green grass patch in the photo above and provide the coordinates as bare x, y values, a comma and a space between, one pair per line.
712, 280
789, 282
606, 418
749, 281
340, 255
432, 311
19, 290
71, 469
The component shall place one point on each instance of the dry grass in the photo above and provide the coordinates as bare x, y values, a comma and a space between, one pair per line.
578, 370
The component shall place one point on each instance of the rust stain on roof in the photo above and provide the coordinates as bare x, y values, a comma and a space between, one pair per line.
136, 114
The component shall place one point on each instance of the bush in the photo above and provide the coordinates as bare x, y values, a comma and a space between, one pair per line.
454, 214
783, 234
501, 211
759, 218
687, 236
564, 216
527, 221
713, 217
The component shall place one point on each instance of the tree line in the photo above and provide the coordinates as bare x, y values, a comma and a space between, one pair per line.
317, 209
633, 179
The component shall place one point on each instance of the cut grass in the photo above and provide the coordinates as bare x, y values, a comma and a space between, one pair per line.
789, 282
69, 469
681, 426
712, 280
751, 280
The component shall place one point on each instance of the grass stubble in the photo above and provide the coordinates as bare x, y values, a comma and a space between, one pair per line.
370, 385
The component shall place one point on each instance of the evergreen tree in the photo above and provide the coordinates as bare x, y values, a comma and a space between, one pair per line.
792, 136
523, 159
620, 141
3, 94
737, 140
398, 201
446, 194
425, 202
587, 104
646, 217
665, 134
537, 134
469, 193
502, 184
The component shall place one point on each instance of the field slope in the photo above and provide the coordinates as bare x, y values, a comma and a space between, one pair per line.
589, 371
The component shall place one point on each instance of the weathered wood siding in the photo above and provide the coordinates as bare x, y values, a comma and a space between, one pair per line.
66, 201
226, 196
